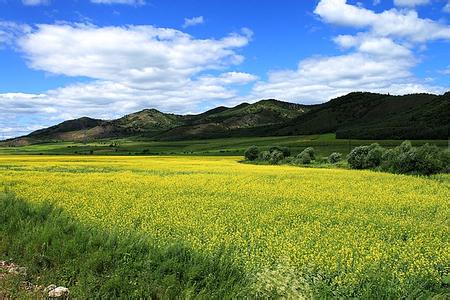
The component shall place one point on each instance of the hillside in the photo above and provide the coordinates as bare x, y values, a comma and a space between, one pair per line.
356, 115
376, 116
227, 122
151, 123
71, 130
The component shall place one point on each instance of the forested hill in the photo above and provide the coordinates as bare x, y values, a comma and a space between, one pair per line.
356, 115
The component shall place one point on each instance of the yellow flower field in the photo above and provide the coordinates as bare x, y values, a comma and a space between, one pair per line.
342, 228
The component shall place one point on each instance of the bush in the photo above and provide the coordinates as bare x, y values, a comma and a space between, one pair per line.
285, 150
406, 159
357, 157
304, 158
310, 151
428, 160
264, 156
374, 156
445, 157
334, 157
251, 153
365, 157
276, 157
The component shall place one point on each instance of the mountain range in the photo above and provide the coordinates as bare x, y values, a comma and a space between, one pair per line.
358, 115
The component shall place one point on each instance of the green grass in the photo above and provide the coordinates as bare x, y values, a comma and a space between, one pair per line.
96, 263
324, 145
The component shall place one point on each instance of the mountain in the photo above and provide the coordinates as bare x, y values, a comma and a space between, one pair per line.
71, 130
376, 116
226, 122
151, 123
357, 115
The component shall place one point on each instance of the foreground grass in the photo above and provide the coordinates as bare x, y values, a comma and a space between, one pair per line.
324, 144
101, 264
245, 229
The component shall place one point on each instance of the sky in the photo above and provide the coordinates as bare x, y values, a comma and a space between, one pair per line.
64, 59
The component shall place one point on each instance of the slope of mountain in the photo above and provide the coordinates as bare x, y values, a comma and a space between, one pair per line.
148, 120
68, 126
376, 116
218, 122
226, 122
356, 115
66, 131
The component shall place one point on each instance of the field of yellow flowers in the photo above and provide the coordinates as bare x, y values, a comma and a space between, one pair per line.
293, 230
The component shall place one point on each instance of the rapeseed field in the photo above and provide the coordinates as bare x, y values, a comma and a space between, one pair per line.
296, 232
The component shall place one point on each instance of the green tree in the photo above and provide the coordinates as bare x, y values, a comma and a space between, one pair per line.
251, 153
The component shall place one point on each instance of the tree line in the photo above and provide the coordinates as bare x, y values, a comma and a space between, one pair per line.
403, 159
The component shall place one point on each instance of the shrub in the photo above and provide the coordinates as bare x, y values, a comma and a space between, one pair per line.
334, 157
364, 157
445, 158
276, 157
310, 151
285, 150
428, 160
264, 156
406, 159
251, 153
304, 158
288, 160
399, 159
357, 157
374, 156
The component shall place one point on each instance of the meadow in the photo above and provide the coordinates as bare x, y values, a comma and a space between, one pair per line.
324, 144
211, 226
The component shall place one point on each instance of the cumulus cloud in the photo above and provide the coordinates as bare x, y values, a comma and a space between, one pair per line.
130, 67
378, 59
35, 2
411, 3
139, 56
193, 21
321, 78
128, 2
394, 23
10, 31
379, 46
107, 99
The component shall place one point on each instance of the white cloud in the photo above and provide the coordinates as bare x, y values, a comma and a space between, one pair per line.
193, 21
379, 59
411, 3
128, 2
35, 2
131, 68
394, 23
321, 78
447, 7
107, 100
368, 44
139, 56
10, 31
230, 78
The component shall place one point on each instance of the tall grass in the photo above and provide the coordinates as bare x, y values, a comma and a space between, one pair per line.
95, 263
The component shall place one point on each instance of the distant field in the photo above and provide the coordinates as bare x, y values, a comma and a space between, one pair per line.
324, 145
279, 230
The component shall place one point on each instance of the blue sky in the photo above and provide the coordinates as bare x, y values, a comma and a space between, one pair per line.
105, 58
